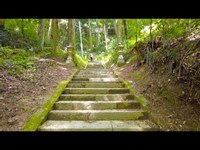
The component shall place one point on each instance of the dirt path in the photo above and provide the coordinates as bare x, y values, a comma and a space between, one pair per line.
21, 97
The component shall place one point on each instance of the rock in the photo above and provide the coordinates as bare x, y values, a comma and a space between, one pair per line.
11, 121
2, 98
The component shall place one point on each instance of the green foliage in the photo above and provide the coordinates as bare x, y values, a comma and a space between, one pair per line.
173, 53
132, 59
112, 44
80, 62
24, 27
115, 56
100, 48
61, 55
15, 60
46, 53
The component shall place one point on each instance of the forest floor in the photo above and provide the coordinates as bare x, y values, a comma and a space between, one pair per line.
21, 96
164, 98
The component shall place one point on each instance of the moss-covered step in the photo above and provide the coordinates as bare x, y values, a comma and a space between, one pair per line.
97, 97
96, 85
135, 125
96, 90
97, 79
41, 114
98, 105
116, 114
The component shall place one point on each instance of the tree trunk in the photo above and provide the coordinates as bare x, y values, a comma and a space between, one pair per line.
55, 37
79, 24
2, 23
125, 32
116, 31
41, 32
22, 30
105, 35
136, 35
136, 39
90, 33
163, 28
151, 48
97, 33
73, 34
70, 32
49, 31
119, 32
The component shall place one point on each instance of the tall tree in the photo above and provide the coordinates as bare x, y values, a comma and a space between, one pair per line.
70, 32
73, 34
125, 32
97, 33
115, 27
136, 34
150, 48
90, 33
2, 22
41, 32
105, 35
49, 30
81, 43
55, 37
22, 27
119, 31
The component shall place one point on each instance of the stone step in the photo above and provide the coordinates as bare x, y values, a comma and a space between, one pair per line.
97, 97
112, 125
90, 70
97, 79
121, 114
98, 66
96, 91
96, 85
95, 67
95, 73
95, 76
96, 82
97, 105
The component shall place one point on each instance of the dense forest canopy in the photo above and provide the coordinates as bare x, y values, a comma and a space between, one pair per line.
98, 35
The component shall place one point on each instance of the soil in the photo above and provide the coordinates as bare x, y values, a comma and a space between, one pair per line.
21, 96
165, 98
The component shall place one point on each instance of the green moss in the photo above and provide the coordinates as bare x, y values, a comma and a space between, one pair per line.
132, 59
139, 76
81, 62
139, 98
39, 116
27, 109
119, 64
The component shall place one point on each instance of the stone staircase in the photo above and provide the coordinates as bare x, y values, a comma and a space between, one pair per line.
96, 100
